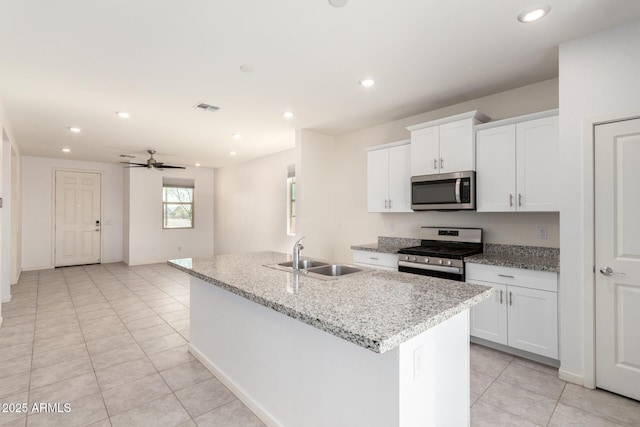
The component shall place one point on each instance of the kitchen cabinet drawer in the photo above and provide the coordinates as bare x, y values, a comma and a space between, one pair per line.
541, 280
376, 260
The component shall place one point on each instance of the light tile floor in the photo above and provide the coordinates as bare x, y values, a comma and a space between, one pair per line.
111, 341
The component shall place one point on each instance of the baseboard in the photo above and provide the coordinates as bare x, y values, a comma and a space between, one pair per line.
6, 299
17, 279
571, 377
258, 410
517, 352
46, 267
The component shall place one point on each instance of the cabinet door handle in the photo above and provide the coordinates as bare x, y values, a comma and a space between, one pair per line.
505, 275
441, 163
435, 164
386, 204
371, 257
390, 203
510, 200
500, 296
510, 298
519, 199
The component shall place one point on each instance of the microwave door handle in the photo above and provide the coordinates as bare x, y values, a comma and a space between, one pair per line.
458, 190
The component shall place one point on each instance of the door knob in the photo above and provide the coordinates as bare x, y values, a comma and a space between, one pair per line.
608, 271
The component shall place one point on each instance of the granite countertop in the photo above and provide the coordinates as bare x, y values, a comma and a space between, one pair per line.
527, 257
376, 309
387, 245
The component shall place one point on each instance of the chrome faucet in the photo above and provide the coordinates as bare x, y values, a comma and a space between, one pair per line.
297, 247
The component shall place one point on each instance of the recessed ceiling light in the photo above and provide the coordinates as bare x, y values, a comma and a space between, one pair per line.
197, 165
236, 136
122, 114
367, 82
232, 153
75, 130
66, 150
337, 3
287, 115
534, 13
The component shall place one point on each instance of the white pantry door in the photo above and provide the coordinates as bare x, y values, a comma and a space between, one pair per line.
617, 233
77, 227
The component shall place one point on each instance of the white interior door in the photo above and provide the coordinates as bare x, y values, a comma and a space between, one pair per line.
617, 234
77, 218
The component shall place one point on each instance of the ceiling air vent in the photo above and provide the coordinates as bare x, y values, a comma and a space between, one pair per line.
206, 107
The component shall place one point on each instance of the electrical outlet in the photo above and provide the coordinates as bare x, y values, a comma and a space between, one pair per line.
541, 232
418, 362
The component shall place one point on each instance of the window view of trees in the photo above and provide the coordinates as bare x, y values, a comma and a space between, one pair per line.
177, 207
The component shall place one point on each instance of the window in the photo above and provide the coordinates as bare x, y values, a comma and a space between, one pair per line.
177, 203
291, 200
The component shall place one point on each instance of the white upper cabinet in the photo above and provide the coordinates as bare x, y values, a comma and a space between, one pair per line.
444, 145
389, 178
517, 164
538, 164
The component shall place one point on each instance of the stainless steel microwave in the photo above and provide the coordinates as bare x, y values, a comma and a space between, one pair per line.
445, 191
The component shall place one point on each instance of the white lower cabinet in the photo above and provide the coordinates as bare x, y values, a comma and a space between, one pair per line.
382, 261
522, 312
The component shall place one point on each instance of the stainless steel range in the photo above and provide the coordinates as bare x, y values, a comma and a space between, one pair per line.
441, 252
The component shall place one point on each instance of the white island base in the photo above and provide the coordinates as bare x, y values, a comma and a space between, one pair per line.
292, 374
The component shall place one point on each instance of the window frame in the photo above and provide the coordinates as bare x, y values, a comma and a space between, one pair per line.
291, 201
192, 204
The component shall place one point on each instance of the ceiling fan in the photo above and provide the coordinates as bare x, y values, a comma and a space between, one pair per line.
151, 163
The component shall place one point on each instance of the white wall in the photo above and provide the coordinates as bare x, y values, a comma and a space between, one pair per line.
37, 178
353, 225
16, 214
11, 204
316, 187
148, 242
251, 205
598, 77
5, 217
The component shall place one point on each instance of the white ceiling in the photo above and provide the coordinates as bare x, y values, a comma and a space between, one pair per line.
76, 62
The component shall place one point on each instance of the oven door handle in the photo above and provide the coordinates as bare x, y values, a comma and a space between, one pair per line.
455, 270
458, 181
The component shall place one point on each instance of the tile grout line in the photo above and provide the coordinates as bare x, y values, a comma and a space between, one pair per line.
143, 350
85, 341
33, 350
157, 370
556, 405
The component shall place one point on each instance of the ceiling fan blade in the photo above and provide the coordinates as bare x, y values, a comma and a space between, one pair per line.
173, 167
132, 163
135, 166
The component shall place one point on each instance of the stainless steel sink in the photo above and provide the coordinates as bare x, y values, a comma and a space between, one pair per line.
318, 269
304, 264
335, 270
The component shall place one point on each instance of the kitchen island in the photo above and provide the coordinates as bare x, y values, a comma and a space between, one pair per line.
374, 348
